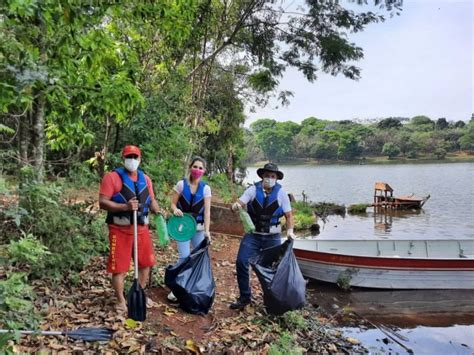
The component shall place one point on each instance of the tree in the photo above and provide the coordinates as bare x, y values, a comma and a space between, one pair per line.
389, 123
289, 126
441, 123
391, 150
466, 142
422, 123
348, 147
262, 124
275, 143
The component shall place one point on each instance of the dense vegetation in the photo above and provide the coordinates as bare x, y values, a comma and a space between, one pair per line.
79, 80
348, 140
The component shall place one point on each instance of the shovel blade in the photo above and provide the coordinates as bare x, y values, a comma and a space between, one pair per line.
136, 302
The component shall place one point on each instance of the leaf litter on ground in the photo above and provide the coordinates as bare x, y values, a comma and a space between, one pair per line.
91, 301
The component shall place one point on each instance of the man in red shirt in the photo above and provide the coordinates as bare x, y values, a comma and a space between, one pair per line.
121, 192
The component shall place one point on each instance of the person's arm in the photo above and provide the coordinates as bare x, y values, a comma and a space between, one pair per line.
106, 203
174, 202
290, 224
154, 207
207, 217
287, 210
247, 196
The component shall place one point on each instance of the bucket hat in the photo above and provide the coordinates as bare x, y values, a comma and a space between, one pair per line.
271, 168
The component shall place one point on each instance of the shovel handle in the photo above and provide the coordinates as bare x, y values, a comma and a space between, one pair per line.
135, 243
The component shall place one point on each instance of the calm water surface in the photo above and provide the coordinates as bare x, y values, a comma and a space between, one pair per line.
447, 214
428, 321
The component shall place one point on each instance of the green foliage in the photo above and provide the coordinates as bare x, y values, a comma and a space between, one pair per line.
303, 215
16, 303
285, 345
224, 188
27, 250
261, 125
440, 153
357, 208
69, 234
275, 143
294, 321
344, 279
389, 123
412, 154
466, 141
391, 150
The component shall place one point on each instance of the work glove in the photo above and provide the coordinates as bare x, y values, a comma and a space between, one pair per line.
208, 236
178, 213
290, 234
236, 206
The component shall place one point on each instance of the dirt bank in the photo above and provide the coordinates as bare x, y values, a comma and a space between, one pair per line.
90, 302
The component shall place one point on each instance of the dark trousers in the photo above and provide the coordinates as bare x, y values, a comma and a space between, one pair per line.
250, 246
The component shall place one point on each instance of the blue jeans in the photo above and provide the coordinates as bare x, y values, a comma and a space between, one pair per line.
250, 246
184, 248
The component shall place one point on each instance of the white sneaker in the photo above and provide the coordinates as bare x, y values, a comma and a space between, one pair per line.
171, 297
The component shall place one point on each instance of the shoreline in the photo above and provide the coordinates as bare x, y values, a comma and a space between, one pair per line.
379, 160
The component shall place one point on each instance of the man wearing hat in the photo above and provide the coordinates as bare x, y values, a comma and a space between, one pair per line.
123, 191
266, 203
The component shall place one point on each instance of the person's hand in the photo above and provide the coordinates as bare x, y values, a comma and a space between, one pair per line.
132, 204
178, 213
290, 234
236, 206
208, 236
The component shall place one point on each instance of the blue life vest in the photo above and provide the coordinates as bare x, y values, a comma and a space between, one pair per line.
190, 203
265, 211
131, 189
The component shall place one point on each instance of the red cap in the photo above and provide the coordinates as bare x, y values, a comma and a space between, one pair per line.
131, 149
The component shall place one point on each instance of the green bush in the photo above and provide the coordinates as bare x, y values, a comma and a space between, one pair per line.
70, 234
16, 303
224, 188
412, 154
358, 208
303, 221
28, 250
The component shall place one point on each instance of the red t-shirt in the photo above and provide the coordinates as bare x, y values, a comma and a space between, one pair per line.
112, 184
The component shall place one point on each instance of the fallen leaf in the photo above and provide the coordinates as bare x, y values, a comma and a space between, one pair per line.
130, 323
190, 345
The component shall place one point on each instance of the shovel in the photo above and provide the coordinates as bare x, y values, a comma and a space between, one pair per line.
136, 300
86, 334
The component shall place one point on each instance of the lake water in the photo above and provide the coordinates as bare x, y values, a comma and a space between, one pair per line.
447, 214
426, 321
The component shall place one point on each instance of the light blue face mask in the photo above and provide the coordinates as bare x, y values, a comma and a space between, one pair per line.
268, 182
131, 164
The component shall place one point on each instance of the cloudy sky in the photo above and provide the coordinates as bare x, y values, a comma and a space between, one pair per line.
420, 62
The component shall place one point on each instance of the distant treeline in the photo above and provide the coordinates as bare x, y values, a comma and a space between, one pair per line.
348, 140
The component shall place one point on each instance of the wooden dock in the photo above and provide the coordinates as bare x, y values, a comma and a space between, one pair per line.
383, 198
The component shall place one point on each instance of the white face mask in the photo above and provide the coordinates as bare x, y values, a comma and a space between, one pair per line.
268, 182
131, 164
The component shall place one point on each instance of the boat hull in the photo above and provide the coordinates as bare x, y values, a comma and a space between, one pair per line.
386, 272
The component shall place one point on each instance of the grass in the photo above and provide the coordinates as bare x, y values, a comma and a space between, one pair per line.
359, 208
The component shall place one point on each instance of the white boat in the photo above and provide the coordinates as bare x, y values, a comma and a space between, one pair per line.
390, 264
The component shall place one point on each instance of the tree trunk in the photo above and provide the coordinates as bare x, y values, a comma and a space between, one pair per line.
38, 137
24, 138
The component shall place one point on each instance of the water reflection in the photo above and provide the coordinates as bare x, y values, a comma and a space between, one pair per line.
425, 321
384, 217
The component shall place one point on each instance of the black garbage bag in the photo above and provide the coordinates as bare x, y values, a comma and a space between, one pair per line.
284, 288
192, 281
